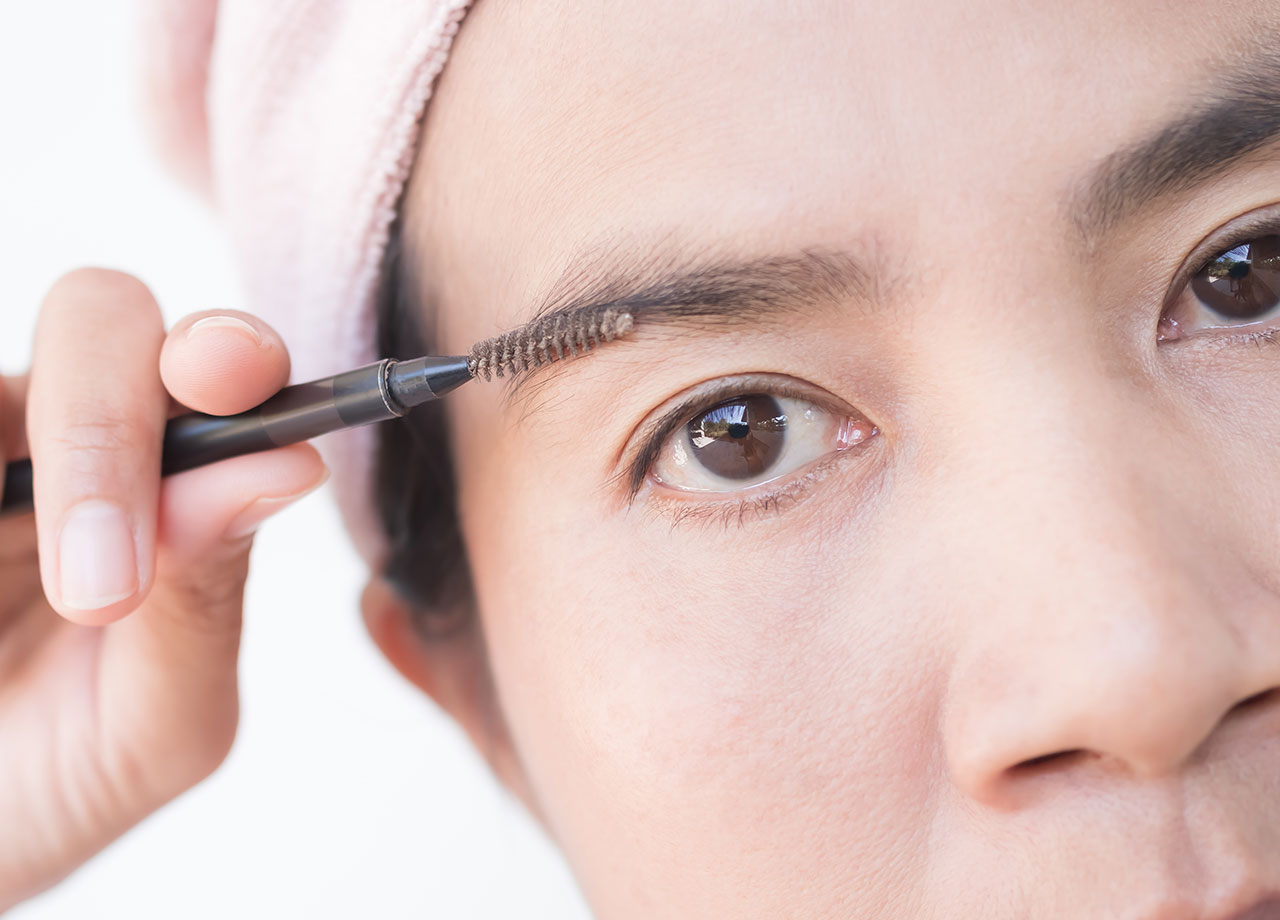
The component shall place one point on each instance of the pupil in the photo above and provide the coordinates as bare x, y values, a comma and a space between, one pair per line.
1244, 282
740, 438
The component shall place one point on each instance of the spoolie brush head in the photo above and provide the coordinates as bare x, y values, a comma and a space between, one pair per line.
552, 338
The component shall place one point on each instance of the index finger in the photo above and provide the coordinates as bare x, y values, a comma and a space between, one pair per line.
96, 410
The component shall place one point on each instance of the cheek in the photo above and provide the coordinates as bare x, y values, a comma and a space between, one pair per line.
701, 687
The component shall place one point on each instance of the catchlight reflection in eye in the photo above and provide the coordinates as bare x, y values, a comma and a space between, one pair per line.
749, 440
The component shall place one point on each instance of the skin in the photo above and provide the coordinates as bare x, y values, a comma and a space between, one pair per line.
107, 712
1013, 657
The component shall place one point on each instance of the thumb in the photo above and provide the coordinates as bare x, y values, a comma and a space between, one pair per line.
169, 668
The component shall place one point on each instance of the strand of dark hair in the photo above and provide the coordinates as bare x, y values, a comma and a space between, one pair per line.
414, 482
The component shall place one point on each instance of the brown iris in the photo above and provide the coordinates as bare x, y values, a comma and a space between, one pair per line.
1244, 282
740, 438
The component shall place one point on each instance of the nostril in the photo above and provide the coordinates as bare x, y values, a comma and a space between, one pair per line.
1257, 700
1055, 760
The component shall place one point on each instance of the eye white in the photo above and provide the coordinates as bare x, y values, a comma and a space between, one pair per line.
811, 433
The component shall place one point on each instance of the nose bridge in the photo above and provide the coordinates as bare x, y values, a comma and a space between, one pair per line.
1089, 622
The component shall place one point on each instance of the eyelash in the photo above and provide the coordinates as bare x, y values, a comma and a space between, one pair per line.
1259, 337
777, 498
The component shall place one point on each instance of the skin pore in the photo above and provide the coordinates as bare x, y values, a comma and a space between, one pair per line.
1008, 653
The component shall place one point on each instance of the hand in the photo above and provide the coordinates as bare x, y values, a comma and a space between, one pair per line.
120, 619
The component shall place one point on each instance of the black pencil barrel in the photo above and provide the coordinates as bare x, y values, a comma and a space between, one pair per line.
296, 413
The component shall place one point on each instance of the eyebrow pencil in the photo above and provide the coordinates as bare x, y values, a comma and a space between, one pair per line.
374, 393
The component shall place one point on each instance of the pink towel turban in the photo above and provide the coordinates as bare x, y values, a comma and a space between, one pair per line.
297, 119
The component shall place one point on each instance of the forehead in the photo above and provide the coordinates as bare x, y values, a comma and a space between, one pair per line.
560, 128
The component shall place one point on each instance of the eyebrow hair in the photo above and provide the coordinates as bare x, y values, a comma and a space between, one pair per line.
724, 292
1238, 115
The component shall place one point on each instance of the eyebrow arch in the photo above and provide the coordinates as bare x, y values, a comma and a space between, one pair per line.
1237, 116
730, 291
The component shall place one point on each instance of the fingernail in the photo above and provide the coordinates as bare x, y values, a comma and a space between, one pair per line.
97, 565
226, 322
248, 520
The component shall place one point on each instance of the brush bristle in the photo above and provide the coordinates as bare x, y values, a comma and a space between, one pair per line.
564, 335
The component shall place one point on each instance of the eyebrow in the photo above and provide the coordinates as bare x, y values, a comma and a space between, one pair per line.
726, 291
1237, 116
703, 291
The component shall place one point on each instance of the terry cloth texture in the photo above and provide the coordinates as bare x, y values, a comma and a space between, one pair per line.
298, 121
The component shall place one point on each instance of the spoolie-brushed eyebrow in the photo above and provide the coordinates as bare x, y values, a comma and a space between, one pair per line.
663, 284
559, 335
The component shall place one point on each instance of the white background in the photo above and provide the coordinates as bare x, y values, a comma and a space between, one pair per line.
347, 793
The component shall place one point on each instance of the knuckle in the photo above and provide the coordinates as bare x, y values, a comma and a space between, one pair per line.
208, 602
103, 434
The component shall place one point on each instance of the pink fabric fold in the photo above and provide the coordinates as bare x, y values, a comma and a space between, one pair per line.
298, 120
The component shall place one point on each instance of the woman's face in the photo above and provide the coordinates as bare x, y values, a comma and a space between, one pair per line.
916, 556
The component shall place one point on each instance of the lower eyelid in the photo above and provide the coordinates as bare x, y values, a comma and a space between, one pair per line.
764, 499
1218, 337
1258, 334
770, 497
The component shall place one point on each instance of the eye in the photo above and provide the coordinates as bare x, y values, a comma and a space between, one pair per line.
749, 440
1240, 286
1243, 282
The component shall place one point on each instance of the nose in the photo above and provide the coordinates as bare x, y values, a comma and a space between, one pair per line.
1116, 632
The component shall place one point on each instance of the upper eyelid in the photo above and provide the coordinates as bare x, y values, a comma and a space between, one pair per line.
1234, 232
